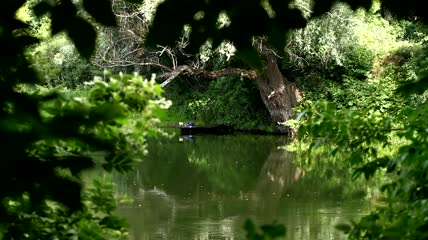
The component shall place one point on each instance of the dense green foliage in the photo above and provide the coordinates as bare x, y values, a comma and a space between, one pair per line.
55, 58
58, 64
363, 136
379, 127
50, 137
52, 221
229, 101
121, 137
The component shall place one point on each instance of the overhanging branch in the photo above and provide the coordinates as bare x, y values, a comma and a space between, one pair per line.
202, 73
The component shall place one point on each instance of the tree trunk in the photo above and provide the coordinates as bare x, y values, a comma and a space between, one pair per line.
279, 95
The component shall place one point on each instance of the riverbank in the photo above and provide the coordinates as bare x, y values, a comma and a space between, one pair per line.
217, 129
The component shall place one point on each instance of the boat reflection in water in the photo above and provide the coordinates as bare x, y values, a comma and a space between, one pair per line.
182, 138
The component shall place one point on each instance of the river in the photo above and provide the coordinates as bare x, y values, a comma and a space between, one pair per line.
205, 187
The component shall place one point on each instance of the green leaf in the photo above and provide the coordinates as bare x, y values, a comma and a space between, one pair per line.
42, 8
164, 13
321, 7
418, 86
17, 24
65, 191
25, 41
83, 36
101, 10
63, 16
76, 163
157, 33
292, 18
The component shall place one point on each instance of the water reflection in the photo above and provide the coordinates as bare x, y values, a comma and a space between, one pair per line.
206, 188
276, 175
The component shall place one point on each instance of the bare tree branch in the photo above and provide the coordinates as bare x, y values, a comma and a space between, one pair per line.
202, 73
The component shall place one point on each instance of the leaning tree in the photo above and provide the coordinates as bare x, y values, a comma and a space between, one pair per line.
125, 48
317, 47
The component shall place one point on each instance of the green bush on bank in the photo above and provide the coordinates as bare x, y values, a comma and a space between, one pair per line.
230, 101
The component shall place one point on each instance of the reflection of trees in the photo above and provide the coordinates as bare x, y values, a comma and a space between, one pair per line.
316, 218
205, 190
327, 176
221, 165
276, 176
152, 213
196, 186
276, 197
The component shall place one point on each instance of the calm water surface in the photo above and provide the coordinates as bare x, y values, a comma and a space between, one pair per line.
205, 187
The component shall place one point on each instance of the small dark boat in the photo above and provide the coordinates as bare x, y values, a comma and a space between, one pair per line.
192, 129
